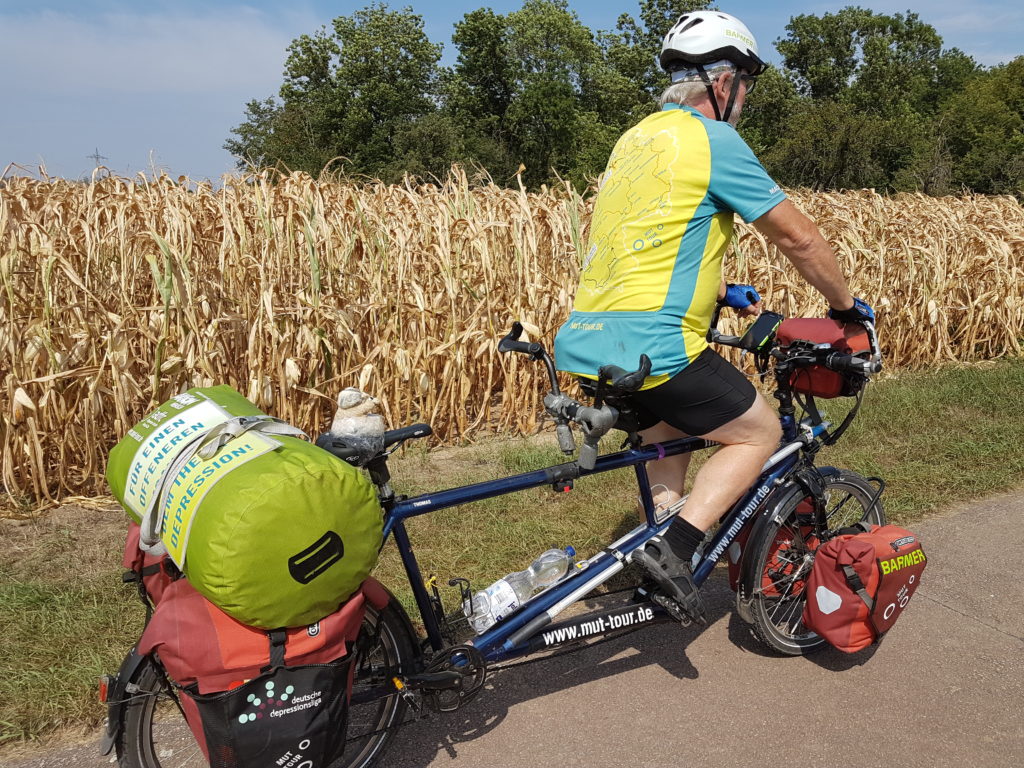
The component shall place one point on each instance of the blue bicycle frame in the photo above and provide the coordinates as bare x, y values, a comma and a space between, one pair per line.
510, 636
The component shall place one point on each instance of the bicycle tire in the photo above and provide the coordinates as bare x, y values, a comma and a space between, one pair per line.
780, 547
154, 733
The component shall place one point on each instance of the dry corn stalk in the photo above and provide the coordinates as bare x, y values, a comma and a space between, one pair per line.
118, 294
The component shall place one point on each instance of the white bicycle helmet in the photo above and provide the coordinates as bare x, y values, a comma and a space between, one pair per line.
700, 38
703, 37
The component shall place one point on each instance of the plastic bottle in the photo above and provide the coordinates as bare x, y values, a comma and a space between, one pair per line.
507, 594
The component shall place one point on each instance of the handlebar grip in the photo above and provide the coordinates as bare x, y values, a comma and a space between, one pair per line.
511, 343
526, 347
715, 337
626, 381
611, 372
841, 362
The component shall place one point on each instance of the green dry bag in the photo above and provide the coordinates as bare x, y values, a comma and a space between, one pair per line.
271, 529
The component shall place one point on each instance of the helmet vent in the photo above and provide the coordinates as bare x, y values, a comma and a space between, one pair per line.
692, 24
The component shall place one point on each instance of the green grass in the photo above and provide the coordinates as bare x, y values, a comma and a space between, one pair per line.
60, 632
936, 438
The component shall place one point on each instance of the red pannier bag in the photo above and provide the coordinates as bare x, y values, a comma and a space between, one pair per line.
254, 697
153, 573
860, 583
817, 380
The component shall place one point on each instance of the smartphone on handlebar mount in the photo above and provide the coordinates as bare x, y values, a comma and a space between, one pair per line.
761, 332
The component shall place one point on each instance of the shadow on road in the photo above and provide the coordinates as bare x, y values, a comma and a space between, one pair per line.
421, 741
741, 635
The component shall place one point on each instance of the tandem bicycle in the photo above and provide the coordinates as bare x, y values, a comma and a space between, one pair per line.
770, 535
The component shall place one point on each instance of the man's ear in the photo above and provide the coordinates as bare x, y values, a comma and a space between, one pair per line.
723, 85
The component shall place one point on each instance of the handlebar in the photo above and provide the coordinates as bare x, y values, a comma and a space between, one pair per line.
595, 423
625, 381
839, 362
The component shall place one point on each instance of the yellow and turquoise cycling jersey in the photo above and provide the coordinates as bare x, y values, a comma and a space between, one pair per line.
653, 264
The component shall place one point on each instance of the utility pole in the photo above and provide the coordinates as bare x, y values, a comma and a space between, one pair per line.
96, 156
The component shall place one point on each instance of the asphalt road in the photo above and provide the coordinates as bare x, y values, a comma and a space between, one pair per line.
945, 688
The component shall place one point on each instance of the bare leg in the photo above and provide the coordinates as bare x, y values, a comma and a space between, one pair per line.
747, 442
669, 472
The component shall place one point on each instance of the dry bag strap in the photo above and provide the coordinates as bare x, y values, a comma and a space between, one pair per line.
216, 438
858, 586
278, 638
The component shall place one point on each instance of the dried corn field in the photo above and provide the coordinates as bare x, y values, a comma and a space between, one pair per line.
118, 294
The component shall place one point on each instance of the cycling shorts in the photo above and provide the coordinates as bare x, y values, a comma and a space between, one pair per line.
707, 394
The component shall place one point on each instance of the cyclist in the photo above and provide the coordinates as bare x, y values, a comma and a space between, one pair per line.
652, 274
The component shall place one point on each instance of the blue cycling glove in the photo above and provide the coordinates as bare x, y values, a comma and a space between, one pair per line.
860, 312
740, 296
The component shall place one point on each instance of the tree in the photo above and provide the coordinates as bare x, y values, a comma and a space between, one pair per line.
533, 88
865, 77
634, 47
768, 110
353, 92
480, 89
984, 126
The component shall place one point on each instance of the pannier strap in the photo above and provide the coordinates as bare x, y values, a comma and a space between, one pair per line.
858, 586
278, 638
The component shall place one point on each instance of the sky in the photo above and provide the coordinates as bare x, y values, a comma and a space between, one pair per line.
158, 85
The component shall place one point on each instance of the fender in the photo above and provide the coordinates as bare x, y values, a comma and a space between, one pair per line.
749, 580
117, 698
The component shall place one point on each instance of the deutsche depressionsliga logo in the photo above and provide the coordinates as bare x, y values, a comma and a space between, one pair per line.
262, 704
274, 704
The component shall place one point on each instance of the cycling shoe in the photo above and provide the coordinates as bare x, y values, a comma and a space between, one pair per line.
673, 577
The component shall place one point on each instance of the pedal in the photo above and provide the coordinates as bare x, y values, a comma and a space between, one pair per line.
672, 608
690, 604
408, 695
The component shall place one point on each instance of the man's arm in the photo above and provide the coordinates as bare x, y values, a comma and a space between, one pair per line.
800, 241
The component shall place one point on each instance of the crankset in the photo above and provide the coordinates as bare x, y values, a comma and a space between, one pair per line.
458, 674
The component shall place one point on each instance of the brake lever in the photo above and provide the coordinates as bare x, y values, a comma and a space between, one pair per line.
876, 352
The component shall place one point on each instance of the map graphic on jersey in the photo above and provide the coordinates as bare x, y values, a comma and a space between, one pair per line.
633, 209
662, 221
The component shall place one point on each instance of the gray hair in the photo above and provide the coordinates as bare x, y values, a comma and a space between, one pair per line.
687, 86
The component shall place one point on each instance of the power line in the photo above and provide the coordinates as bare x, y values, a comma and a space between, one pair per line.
96, 156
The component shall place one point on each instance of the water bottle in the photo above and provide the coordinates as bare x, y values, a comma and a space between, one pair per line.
505, 595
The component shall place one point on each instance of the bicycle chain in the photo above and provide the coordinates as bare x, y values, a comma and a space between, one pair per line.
521, 663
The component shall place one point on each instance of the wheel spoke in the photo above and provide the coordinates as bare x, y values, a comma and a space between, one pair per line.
783, 564
156, 735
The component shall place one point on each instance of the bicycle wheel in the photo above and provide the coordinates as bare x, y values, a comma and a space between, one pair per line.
154, 733
783, 554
